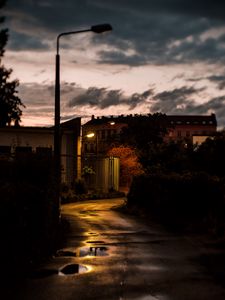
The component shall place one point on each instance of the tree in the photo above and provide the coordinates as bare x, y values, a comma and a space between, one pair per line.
142, 131
209, 156
129, 165
10, 103
145, 134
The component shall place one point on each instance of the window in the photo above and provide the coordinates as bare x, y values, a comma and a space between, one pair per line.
103, 134
179, 133
187, 133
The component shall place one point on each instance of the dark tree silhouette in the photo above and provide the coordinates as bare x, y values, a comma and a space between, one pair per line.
10, 103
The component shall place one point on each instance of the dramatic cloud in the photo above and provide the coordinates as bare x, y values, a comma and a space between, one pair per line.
103, 98
39, 101
175, 46
219, 80
78, 101
181, 101
174, 101
145, 32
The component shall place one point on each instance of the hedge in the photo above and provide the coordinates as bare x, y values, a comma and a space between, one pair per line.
180, 200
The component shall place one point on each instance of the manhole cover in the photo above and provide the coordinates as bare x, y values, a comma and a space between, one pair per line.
72, 269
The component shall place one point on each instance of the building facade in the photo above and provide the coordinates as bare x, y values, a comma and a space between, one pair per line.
188, 126
40, 140
99, 134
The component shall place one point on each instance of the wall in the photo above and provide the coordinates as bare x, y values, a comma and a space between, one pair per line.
106, 173
36, 137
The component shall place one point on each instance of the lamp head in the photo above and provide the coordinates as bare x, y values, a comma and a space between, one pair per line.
101, 28
90, 135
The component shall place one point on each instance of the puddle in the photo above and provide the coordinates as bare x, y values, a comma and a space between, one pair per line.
72, 269
65, 252
93, 251
95, 242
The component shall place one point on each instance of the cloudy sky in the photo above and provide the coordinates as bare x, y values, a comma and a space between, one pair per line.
162, 56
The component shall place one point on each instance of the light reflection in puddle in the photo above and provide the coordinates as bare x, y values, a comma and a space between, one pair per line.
74, 269
93, 251
152, 267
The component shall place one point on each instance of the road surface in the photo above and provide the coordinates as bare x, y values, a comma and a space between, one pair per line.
118, 257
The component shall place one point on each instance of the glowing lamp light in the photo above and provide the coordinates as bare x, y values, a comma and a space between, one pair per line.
90, 135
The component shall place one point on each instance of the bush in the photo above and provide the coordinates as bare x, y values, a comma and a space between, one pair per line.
179, 200
80, 187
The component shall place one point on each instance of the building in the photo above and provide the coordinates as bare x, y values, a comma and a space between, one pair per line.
99, 134
187, 126
105, 175
24, 140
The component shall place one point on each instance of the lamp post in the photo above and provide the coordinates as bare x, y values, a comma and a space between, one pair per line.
57, 139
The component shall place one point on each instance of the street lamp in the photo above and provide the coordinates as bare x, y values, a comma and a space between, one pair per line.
57, 141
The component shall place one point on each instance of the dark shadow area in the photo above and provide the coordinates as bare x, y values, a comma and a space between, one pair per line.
29, 215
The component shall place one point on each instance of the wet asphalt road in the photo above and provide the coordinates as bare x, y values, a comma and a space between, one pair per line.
133, 261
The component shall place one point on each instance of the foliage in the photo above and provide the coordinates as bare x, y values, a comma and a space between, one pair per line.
3, 32
80, 187
183, 185
87, 170
168, 157
181, 201
143, 131
129, 165
209, 156
10, 103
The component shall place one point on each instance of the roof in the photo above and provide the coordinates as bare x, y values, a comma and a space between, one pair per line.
192, 119
172, 119
70, 124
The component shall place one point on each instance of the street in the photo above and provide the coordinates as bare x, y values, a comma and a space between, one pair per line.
112, 256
